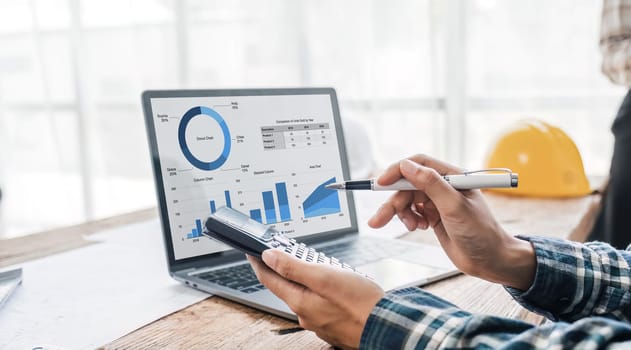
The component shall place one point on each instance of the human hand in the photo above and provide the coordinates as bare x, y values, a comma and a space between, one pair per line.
332, 302
462, 222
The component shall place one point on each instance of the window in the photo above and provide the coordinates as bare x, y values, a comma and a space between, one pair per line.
431, 76
538, 59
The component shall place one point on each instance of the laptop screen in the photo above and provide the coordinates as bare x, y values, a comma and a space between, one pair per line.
268, 156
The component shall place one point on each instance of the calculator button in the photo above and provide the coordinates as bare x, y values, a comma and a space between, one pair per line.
305, 255
282, 239
311, 255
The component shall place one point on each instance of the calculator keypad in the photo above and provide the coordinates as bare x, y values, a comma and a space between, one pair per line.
302, 252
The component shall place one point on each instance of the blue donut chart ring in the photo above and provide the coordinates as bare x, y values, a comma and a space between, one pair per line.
190, 114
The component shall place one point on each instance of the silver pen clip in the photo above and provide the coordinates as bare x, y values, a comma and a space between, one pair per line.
489, 170
514, 178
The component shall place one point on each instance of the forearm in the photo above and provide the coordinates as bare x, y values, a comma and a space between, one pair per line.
412, 318
574, 280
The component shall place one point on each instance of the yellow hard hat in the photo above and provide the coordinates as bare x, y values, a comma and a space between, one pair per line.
545, 157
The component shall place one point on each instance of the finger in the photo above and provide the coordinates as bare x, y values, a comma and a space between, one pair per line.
402, 205
321, 279
393, 206
293, 294
423, 224
409, 219
431, 218
446, 199
393, 172
441, 167
431, 213
390, 175
384, 214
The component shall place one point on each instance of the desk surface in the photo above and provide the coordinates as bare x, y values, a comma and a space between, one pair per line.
212, 322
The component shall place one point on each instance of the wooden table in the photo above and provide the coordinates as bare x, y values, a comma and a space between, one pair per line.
216, 323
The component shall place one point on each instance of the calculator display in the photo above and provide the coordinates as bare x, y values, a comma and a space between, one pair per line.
245, 224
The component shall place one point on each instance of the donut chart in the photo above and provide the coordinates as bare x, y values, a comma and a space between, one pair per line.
208, 112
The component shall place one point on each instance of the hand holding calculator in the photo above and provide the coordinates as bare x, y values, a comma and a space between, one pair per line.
251, 237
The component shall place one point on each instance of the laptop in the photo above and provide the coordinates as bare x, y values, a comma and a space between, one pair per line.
268, 153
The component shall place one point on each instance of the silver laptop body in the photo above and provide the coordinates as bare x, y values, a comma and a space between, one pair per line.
268, 153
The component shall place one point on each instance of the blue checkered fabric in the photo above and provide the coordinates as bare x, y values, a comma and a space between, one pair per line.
583, 289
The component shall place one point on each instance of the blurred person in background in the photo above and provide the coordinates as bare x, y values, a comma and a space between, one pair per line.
612, 223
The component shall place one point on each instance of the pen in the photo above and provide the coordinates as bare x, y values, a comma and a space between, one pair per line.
459, 182
284, 331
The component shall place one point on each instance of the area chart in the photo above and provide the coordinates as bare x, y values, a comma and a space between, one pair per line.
322, 201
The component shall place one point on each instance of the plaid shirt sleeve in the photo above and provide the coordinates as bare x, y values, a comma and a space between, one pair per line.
575, 280
586, 288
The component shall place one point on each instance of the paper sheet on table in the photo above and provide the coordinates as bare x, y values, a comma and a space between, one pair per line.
88, 297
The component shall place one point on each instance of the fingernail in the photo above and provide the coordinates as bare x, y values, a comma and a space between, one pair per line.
408, 166
269, 258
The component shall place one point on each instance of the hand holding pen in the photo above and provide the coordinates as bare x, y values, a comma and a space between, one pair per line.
462, 222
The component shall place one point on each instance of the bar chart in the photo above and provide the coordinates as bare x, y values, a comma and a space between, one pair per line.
197, 231
272, 205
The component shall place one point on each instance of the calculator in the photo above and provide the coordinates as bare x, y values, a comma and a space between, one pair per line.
252, 237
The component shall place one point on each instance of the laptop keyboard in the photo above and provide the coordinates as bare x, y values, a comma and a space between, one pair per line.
238, 277
355, 253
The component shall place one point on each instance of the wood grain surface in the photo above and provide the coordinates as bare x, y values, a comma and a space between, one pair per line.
216, 323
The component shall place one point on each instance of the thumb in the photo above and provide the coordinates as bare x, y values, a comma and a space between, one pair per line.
313, 276
293, 269
445, 197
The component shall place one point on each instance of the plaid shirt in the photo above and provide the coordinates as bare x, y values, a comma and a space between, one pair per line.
584, 288
615, 41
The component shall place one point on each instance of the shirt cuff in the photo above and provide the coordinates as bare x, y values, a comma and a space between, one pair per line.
410, 316
552, 291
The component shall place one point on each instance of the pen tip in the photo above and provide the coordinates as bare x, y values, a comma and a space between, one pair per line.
334, 186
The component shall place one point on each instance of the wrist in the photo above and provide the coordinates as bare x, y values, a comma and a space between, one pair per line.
515, 264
